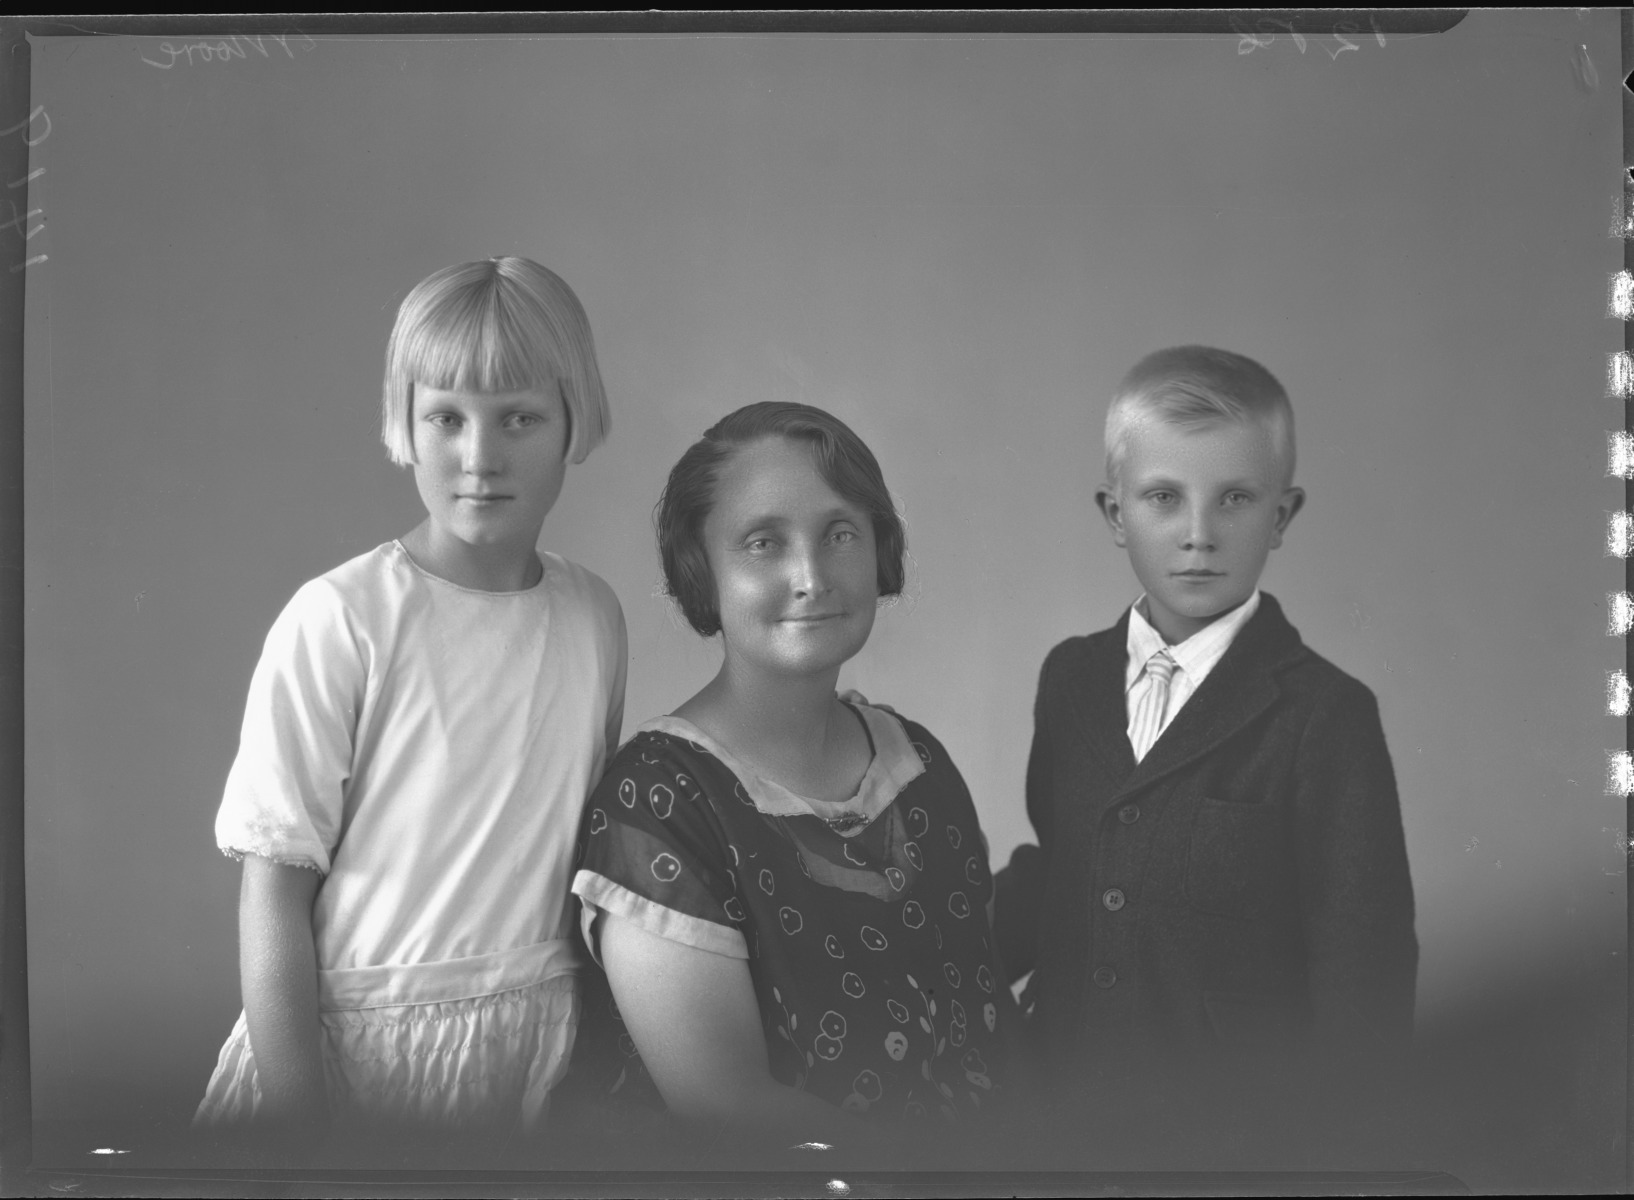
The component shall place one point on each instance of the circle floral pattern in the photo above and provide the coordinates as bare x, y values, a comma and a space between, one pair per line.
869, 954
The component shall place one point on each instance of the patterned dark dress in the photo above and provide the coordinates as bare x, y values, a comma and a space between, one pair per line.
864, 922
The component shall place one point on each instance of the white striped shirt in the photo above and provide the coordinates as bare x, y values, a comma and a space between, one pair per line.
1195, 657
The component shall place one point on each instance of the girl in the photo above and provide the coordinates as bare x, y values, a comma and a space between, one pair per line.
789, 890
422, 730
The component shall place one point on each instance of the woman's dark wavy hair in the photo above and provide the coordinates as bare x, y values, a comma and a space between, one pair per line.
843, 460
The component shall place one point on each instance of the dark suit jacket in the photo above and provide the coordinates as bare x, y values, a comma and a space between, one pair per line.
1245, 886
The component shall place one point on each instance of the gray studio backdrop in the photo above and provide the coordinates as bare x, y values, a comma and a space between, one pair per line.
958, 244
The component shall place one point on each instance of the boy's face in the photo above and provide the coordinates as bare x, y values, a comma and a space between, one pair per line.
1198, 508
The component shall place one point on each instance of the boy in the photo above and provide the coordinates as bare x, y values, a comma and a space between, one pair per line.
1220, 876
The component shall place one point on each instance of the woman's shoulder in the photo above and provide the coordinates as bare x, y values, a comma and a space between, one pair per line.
653, 748
918, 736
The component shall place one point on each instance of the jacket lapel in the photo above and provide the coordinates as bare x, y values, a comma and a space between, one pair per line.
1094, 682
1241, 687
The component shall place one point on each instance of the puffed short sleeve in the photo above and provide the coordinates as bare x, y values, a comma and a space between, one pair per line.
284, 795
655, 854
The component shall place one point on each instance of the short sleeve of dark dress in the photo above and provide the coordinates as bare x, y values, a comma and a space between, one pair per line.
864, 923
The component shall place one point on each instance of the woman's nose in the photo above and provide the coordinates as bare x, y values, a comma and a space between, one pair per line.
806, 573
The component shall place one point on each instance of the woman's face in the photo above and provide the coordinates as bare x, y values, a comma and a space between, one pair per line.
796, 577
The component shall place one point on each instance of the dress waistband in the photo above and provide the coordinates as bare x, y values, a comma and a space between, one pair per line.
450, 979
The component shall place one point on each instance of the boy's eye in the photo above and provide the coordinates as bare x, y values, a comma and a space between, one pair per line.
1161, 497
1237, 499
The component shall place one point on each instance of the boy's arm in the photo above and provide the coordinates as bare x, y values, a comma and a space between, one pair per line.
1357, 895
1019, 888
279, 975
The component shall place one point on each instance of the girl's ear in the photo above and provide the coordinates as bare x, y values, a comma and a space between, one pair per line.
1106, 499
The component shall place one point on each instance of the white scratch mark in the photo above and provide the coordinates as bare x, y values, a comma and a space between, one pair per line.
1619, 773
1617, 694
29, 262
812, 1146
1620, 374
139, 596
29, 178
25, 123
1583, 69
105, 1150
1620, 618
1620, 454
1619, 534
1621, 305
838, 1187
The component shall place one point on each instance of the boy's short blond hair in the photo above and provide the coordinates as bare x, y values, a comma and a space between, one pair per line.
496, 325
1198, 385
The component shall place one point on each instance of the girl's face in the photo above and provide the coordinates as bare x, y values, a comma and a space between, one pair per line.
489, 466
796, 577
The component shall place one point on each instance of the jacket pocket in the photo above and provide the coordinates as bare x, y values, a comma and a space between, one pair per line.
1236, 865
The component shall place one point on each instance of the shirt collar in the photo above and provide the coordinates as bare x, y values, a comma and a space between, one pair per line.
1197, 654
897, 762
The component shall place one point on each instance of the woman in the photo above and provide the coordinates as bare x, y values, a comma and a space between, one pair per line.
789, 891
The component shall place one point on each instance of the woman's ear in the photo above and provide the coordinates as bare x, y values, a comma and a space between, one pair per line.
1106, 499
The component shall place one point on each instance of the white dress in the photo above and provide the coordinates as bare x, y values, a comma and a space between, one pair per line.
429, 749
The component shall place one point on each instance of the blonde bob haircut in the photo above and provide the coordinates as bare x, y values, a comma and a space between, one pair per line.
497, 325
1198, 386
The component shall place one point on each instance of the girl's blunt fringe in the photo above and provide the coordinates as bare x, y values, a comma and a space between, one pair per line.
496, 325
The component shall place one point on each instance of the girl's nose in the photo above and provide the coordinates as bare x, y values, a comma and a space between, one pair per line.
480, 451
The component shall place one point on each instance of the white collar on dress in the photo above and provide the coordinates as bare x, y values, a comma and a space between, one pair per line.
896, 763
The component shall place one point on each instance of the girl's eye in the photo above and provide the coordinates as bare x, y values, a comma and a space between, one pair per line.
442, 420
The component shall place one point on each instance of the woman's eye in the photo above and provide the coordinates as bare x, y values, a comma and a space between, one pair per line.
844, 535
758, 545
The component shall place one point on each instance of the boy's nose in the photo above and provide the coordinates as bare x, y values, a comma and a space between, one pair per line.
1199, 530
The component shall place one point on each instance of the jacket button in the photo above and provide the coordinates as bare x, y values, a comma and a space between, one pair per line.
1113, 899
1129, 814
1105, 977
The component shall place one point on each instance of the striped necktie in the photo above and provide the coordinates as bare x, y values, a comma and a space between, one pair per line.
1147, 722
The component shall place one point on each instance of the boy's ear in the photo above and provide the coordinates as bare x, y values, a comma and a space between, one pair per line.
1106, 499
1293, 499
